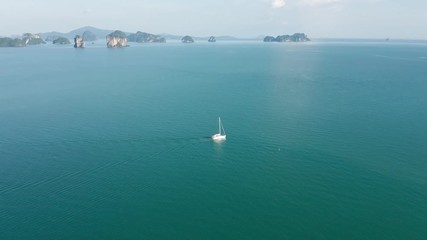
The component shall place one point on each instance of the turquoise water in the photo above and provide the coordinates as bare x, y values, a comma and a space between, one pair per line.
325, 140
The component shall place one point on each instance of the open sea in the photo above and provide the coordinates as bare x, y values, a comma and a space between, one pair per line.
325, 140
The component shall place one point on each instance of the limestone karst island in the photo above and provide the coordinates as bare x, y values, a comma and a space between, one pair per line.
297, 37
119, 39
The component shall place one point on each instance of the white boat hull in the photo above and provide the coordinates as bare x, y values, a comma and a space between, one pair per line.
219, 137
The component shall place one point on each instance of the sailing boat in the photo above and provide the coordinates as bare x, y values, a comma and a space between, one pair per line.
220, 136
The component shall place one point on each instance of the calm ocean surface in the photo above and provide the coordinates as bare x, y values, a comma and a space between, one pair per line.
325, 140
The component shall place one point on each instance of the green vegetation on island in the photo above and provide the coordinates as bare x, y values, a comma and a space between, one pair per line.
32, 39
11, 42
116, 39
297, 37
143, 37
117, 33
187, 39
61, 41
119, 39
27, 39
35, 41
269, 39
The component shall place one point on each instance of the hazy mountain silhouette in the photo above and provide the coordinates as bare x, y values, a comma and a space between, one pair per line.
99, 33
102, 33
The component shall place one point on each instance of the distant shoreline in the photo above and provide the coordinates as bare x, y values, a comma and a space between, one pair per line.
102, 33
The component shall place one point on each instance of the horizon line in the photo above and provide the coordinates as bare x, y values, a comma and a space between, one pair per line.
259, 36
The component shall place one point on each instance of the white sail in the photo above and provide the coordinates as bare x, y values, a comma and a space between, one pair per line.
220, 136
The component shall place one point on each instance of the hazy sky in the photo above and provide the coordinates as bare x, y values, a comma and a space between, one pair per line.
242, 18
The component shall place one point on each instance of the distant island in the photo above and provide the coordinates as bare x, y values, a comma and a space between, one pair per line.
27, 39
88, 36
32, 39
78, 42
119, 39
11, 42
296, 37
187, 39
212, 39
143, 37
116, 39
61, 41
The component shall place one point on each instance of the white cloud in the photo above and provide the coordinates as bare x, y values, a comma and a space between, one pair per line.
318, 3
278, 3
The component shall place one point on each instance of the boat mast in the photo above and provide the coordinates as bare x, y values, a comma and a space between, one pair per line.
219, 125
